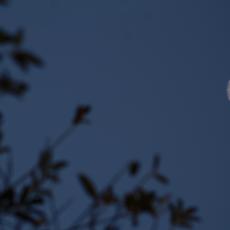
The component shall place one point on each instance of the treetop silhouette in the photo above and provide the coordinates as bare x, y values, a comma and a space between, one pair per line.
24, 201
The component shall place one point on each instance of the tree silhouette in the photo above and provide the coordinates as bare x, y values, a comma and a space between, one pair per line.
24, 201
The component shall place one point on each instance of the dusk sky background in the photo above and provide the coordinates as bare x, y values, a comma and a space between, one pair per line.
155, 73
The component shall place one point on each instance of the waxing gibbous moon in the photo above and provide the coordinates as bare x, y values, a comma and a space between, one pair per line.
228, 90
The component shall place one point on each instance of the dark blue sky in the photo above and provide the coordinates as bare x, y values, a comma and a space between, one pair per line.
155, 72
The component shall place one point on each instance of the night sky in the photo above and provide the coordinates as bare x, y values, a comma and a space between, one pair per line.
155, 73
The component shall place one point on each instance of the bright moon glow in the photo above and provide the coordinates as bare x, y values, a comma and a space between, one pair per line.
228, 90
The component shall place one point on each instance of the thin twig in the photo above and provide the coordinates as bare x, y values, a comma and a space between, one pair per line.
62, 137
53, 146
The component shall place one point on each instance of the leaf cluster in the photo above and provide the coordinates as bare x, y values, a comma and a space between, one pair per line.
24, 201
133, 204
13, 50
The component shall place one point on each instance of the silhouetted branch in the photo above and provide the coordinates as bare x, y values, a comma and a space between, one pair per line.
29, 198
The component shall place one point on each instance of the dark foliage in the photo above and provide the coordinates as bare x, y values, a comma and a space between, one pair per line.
9, 38
3, 2
23, 202
12, 87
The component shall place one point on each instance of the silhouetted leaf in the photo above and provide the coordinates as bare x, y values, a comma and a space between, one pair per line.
7, 38
81, 113
45, 160
59, 165
24, 59
161, 178
7, 198
13, 87
180, 216
88, 186
108, 196
8, 194
134, 168
140, 201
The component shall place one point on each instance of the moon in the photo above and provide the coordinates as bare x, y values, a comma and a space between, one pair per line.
228, 90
